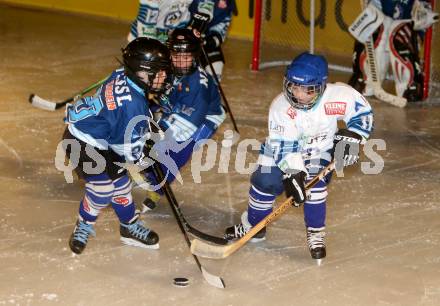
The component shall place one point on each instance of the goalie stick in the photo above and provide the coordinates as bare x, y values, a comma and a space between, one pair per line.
373, 79
41, 103
206, 250
212, 279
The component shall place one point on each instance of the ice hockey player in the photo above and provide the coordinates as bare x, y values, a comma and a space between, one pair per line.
98, 125
215, 34
156, 18
194, 107
303, 133
395, 27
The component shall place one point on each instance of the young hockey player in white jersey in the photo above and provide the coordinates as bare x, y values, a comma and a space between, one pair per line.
193, 112
156, 18
97, 133
395, 26
303, 132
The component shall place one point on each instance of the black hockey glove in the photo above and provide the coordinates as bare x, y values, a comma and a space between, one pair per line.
294, 187
346, 147
199, 22
212, 41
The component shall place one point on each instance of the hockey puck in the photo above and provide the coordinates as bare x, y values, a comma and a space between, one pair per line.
181, 282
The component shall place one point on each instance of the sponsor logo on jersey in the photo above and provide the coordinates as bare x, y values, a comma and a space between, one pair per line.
121, 201
276, 127
335, 108
291, 112
109, 98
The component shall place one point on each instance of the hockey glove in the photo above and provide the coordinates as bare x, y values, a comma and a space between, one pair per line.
294, 187
212, 41
346, 147
199, 22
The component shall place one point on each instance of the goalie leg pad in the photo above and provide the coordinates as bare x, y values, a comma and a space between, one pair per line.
405, 62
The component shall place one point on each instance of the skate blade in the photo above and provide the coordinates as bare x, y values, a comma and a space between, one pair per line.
256, 240
132, 242
319, 262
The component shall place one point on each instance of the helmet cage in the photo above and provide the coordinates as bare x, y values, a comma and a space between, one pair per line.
310, 89
183, 44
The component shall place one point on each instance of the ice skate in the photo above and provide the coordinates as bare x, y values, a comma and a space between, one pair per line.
136, 234
80, 236
239, 230
315, 240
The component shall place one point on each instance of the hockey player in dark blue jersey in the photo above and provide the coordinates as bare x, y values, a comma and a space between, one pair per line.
106, 130
215, 34
194, 108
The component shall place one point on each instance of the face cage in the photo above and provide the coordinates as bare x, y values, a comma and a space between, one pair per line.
178, 65
163, 87
317, 89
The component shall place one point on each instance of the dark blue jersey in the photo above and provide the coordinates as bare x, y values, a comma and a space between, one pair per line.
397, 9
118, 107
194, 101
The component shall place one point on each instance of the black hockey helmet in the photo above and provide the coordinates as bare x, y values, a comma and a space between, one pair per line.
184, 41
146, 55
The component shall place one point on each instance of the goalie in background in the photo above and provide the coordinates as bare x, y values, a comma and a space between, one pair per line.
303, 133
396, 27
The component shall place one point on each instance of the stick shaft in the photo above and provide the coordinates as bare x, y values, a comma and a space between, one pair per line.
217, 81
203, 249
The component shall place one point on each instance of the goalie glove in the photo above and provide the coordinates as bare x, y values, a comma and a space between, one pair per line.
294, 187
423, 16
346, 147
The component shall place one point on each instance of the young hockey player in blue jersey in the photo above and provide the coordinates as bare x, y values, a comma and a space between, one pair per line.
99, 126
215, 34
303, 132
194, 109
156, 18
395, 26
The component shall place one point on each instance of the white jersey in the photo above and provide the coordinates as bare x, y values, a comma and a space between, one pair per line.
157, 17
296, 135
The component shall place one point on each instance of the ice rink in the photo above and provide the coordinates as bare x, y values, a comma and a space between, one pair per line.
383, 230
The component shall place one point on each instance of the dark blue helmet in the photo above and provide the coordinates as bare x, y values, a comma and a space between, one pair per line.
308, 71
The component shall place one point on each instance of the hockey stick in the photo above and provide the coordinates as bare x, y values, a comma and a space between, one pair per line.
52, 106
138, 178
374, 82
373, 79
212, 279
206, 250
217, 81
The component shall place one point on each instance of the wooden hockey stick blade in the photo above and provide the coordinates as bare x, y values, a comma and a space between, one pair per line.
388, 98
203, 249
212, 279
